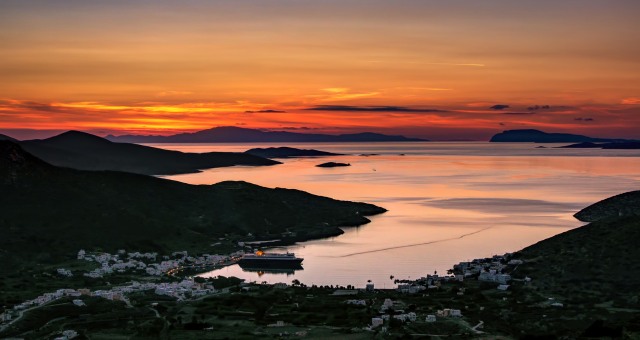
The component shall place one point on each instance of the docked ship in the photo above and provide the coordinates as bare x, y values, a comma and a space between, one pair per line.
270, 260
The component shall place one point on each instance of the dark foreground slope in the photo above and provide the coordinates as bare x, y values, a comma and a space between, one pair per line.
84, 151
593, 270
47, 212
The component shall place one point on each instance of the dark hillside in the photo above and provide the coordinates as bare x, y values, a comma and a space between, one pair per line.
79, 150
627, 204
48, 212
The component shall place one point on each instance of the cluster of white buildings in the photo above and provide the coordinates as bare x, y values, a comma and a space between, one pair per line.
67, 335
123, 262
496, 263
406, 317
380, 320
410, 288
356, 302
428, 282
491, 269
64, 272
449, 313
184, 289
494, 276
47, 297
120, 262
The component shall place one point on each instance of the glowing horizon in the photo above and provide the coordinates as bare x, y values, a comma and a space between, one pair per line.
418, 68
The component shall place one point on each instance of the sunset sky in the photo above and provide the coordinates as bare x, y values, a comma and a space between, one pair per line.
444, 70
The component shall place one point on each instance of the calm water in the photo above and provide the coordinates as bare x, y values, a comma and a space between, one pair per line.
447, 202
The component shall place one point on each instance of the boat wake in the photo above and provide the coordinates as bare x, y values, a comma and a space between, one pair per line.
414, 244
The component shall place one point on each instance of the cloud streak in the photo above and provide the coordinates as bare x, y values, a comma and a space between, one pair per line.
499, 107
265, 111
351, 108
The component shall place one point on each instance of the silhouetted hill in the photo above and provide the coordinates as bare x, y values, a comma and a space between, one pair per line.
232, 134
613, 145
537, 136
583, 145
623, 205
591, 270
622, 145
285, 152
84, 151
48, 212
5, 137
332, 165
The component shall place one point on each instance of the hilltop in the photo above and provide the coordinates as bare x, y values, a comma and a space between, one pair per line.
537, 136
232, 134
79, 150
5, 137
623, 205
48, 212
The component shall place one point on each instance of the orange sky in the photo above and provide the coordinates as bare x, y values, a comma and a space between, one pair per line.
429, 69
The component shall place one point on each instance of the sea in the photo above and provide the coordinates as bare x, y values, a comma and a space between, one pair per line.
447, 202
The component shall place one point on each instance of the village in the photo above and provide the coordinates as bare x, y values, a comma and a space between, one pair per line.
387, 308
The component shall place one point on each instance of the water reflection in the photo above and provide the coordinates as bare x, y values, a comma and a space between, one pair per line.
447, 202
271, 271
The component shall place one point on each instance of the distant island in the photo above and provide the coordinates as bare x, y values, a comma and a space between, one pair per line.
232, 134
613, 145
79, 150
332, 165
287, 152
537, 136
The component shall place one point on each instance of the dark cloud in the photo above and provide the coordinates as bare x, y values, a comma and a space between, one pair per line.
502, 124
298, 128
369, 108
584, 119
539, 107
517, 113
266, 111
28, 105
499, 107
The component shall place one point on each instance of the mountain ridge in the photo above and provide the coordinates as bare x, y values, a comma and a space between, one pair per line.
232, 134
49, 208
537, 136
5, 137
80, 150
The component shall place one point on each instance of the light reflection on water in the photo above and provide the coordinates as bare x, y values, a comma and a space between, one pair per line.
447, 202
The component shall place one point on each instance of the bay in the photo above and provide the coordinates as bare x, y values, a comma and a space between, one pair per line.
448, 202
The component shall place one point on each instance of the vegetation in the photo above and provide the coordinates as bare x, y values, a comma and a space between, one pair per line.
48, 213
623, 205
